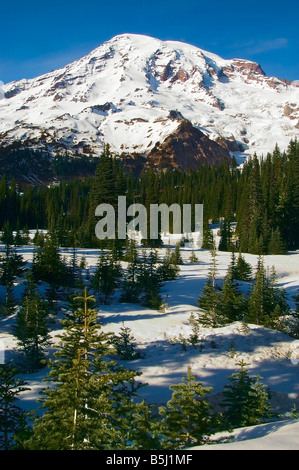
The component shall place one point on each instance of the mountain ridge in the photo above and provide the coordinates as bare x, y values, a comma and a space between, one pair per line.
133, 92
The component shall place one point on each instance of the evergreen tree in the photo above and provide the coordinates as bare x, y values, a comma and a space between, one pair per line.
276, 245
9, 305
225, 236
251, 209
168, 270
91, 403
176, 257
31, 328
7, 234
12, 265
232, 267
48, 265
131, 252
266, 303
231, 303
12, 418
149, 281
142, 279
74, 268
242, 271
188, 419
209, 298
246, 400
144, 433
106, 278
124, 344
208, 237
193, 258
150, 191
130, 287
104, 190
293, 200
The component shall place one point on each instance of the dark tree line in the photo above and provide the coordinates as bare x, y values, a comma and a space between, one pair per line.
264, 303
262, 199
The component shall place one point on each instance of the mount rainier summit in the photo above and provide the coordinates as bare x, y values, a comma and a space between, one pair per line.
148, 97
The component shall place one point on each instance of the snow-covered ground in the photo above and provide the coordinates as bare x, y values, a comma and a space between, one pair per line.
281, 435
268, 353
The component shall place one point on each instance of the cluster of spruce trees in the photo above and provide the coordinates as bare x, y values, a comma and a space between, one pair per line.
136, 277
139, 282
92, 401
261, 303
262, 199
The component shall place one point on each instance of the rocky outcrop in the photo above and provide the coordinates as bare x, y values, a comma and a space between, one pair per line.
187, 148
230, 144
181, 76
291, 111
247, 68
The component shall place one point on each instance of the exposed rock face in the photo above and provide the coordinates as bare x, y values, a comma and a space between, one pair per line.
230, 144
291, 110
187, 148
247, 68
250, 72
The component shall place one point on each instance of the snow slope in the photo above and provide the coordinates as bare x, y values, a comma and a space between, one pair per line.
282, 435
122, 93
271, 354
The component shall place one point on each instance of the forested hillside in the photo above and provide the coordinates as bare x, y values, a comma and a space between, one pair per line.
262, 198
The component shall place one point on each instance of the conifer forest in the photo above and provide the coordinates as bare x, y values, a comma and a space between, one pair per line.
66, 322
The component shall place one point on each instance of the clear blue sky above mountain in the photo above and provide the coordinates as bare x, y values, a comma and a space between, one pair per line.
36, 37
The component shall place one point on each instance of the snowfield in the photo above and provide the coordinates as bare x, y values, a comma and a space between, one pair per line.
268, 353
282, 435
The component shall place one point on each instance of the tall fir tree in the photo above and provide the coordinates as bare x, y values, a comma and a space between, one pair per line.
104, 190
168, 270
48, 264
245, 399
13, 425
31, 328
209, 298
91, 403
225, 243
144, 428
106, 278
188, 418
266, 303
242, 270
231, 306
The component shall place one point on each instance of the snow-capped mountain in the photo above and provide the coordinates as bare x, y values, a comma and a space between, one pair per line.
134, 92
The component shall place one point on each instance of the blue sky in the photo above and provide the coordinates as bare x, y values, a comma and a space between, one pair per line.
37, 37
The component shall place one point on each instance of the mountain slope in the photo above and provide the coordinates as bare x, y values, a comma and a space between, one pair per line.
134, 91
